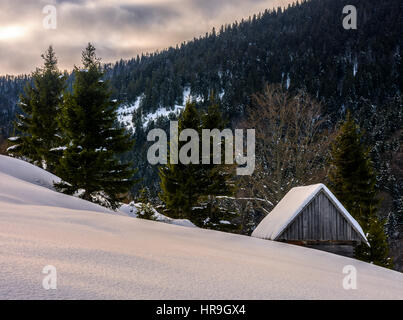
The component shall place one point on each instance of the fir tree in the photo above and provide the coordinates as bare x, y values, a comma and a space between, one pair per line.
217, 176
352, 176
179, 182
38, 124
89, 166
146, 209
353, 182
217, 179
189, 191
378, 252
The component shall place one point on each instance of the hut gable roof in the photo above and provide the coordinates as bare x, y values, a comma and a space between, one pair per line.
291, 205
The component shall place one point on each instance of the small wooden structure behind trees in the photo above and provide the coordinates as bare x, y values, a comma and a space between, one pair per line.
312, 216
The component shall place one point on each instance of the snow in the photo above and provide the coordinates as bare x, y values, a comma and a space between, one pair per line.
355, 68
134, 209
161, 112
12, 147
186, 96
125, 113
165, 112
222, 93
291, 205
24, 184
27, 172
99, 254
13, 138
61, 148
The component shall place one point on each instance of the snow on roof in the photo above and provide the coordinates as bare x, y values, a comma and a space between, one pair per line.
291, 205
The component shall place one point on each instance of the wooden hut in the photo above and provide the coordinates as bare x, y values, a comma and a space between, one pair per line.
312, 216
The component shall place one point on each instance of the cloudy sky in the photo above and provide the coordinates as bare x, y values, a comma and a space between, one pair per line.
118, 29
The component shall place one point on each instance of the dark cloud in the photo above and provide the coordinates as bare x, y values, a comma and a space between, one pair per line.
116, 17
118, 28
149, 15
214, 7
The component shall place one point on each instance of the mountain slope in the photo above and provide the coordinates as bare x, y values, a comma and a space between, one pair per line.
303, 47
108, 256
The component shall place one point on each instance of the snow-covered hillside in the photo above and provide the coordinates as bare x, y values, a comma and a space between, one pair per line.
26, 185
99, 254
125, 112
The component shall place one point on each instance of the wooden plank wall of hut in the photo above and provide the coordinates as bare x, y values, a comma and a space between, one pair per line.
320, 220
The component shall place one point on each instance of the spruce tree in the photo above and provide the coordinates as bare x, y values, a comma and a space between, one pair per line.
218, 179
179, 182
352, 176
38, 125
378, 252
89, 166
189, 191
353, 181
146, 209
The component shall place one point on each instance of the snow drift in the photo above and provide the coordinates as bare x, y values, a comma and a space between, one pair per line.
24, 184
99, 254
134, 209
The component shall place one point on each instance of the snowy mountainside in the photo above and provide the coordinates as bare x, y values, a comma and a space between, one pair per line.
125, 111
113, 256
